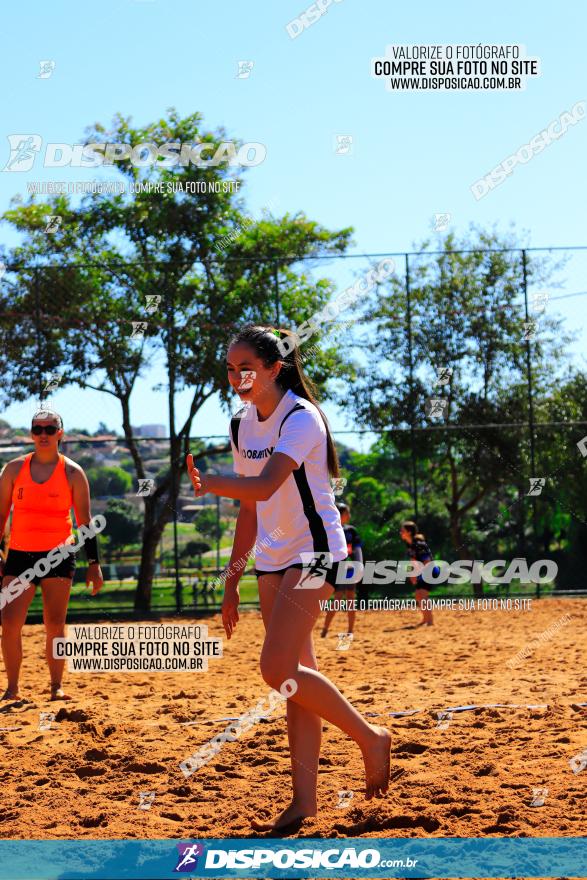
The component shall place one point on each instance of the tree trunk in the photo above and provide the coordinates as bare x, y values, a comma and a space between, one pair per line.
152, 530
458, 541
521, 550
158, 512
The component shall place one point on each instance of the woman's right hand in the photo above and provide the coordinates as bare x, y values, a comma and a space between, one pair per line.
230, 608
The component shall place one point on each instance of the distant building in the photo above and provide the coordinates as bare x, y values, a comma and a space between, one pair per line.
12, 450
150, 431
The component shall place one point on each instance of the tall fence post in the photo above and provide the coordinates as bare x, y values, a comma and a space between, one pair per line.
38, 326
277, 309
530, 399
218, 534
411, 380
171, 359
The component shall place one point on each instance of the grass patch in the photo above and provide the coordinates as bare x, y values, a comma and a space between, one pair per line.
121, 597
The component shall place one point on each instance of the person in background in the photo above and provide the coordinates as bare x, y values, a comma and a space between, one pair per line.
211, 592
195, 585
418, 552
346, 591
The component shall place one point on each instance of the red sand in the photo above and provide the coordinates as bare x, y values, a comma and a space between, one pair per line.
122, 735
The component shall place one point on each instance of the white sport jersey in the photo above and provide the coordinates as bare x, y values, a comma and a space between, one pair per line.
303, 507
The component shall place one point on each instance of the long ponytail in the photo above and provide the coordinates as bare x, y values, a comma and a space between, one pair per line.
264, 341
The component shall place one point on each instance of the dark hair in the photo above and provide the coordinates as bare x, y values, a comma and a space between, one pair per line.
47, 413
265, 343
343, 508
412, 528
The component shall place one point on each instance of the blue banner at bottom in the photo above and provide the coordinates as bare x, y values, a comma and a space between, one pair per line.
295, 858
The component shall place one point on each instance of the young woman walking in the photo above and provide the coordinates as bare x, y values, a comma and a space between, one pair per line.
419, 553
283, 455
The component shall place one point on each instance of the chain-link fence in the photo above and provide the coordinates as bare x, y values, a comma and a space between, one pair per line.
466, 370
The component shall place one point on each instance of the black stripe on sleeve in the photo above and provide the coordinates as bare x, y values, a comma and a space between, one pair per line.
287, 415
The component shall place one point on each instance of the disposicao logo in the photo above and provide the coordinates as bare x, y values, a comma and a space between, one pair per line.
188, 857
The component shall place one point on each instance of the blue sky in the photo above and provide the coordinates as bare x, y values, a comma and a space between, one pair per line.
414, 153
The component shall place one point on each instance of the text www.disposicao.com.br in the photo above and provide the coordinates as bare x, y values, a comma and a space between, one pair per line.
135, 664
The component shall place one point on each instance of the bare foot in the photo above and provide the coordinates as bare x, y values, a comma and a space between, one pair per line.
11, 694
57, 693
377, 761
290, 816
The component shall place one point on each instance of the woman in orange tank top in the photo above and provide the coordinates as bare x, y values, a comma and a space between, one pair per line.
41, 488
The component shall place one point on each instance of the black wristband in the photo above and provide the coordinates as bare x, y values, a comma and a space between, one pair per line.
91, 548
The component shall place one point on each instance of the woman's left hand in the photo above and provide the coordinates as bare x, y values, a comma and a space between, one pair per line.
94, 577
197, 479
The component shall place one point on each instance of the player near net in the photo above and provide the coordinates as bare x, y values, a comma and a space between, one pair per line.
40, 488
420, 554
284, 457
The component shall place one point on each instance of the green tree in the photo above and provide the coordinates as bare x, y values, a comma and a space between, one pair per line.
107, 481
205, 523
194, 549
85, 460
467, 314
123, 526
114, 251
560, 451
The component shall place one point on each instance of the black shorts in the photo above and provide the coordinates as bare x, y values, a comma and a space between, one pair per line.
422, 585
329, 577
18, 561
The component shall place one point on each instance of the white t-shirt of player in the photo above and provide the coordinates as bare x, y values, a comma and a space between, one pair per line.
301, 516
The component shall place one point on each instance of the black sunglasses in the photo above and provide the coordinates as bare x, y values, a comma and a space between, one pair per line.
37, 430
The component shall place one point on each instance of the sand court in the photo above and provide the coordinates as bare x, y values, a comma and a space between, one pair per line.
107, 764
